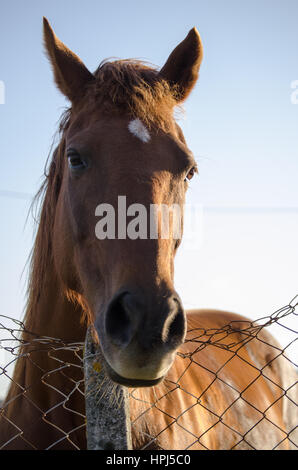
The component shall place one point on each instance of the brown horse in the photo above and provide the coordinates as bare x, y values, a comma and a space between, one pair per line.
119, 138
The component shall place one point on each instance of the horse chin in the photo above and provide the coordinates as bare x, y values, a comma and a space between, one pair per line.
130, 382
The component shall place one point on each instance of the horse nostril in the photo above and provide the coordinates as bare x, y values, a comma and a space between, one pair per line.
174, 328
118, 323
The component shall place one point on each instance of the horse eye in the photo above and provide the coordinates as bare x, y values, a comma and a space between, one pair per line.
191, 173
75, 161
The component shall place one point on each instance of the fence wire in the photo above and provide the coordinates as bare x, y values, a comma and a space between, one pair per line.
185, 412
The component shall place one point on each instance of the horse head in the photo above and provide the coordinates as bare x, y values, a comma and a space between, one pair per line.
122, 146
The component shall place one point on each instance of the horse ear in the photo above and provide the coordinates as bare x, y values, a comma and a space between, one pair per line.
182, 66
70, 74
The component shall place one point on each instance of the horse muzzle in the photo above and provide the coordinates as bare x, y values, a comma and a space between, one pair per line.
139, 336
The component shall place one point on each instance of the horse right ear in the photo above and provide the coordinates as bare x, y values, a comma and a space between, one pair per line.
71, 75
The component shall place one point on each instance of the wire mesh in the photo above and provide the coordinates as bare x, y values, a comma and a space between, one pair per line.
200, 404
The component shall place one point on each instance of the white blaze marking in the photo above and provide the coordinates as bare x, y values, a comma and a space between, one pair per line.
137, 128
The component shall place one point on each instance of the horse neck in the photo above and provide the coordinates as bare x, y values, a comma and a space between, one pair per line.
50, 313
54, 314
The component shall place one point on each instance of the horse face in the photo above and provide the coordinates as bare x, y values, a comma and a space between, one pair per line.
126, 275
117, 174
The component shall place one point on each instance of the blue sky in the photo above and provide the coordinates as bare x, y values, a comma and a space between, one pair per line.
239, 122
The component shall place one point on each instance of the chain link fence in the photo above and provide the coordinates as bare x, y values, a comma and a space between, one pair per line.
187, 411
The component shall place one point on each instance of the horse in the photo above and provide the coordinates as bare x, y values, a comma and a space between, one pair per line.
119, 137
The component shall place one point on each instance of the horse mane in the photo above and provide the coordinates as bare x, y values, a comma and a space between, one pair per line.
122, 86
41, 255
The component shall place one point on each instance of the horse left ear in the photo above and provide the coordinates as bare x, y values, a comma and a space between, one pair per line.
182, 66
71, 75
